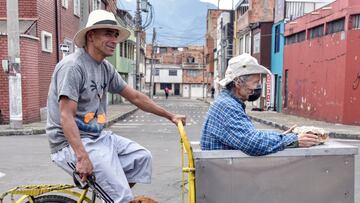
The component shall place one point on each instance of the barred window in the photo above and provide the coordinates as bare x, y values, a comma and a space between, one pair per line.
317, 31
355, 21
294, 38
335, 26
157, 72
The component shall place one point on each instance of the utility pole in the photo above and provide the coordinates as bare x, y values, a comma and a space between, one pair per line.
152, 64
138, 32
15, 95
203, 71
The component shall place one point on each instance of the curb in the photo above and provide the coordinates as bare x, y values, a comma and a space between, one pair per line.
114, 120
37, 131
284, 127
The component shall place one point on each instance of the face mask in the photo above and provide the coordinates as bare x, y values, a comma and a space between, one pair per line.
256, 94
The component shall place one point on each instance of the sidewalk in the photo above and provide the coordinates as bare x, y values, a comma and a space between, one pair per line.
284, 121
115, 112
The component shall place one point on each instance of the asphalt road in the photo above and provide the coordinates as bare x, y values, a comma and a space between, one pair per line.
25, 160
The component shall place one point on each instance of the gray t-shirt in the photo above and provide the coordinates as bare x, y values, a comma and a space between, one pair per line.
84, 80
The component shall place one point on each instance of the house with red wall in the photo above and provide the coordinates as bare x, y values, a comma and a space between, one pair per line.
321, 74
44, 26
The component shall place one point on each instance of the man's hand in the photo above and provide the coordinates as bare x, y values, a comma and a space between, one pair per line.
84, 167
308, 140
176, 118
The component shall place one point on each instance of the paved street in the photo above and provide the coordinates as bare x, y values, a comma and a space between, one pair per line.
25, 159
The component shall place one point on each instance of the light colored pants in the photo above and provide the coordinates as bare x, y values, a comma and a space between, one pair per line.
117, 161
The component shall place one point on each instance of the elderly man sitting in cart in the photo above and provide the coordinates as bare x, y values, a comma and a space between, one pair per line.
227, 127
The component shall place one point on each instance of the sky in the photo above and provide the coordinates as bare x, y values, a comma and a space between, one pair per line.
223, 4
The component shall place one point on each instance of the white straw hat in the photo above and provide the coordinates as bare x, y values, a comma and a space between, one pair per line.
243, 64
100, 19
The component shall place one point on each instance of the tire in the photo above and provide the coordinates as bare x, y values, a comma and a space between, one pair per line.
53, 199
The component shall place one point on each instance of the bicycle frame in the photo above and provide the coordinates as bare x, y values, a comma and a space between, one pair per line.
31, 191
190, 169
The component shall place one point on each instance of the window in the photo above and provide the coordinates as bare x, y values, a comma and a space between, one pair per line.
121, 45
163, 50
317, 31
301, 36
190, 59
247, 44
46, 41
157, 72
243, 7
335, 26
126, 49
77, 7
172, 72
96, 4
277, 39
194, 73
256, 45
241, 45
355, 21
65, 3
294, 38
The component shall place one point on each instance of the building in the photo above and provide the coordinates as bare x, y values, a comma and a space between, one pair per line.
285, 10
195, 83
181, 69
224, 44
323, 82
253, 23
210, 46
44, 27
124, 57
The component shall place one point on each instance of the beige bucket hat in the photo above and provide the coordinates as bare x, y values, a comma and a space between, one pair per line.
243, 64
100, 19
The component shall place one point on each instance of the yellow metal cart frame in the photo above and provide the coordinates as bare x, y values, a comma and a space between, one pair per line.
186, 149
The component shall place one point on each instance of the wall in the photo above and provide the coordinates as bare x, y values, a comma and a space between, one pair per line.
30, 79
352, 80
312, 90
277, 60
322, 71
47, 61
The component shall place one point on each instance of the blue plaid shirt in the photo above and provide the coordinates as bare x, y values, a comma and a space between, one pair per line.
228, 127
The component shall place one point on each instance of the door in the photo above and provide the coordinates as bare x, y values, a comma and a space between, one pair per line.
177, 89
186, 92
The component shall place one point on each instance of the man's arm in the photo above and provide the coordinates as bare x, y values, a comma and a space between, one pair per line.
67, 113
146, 104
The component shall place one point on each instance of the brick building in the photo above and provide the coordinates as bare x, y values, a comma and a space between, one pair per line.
323, 82
180, 69
44, 26
210, 44
253, 23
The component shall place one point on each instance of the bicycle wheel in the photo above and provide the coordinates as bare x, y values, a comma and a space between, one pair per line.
53, 199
